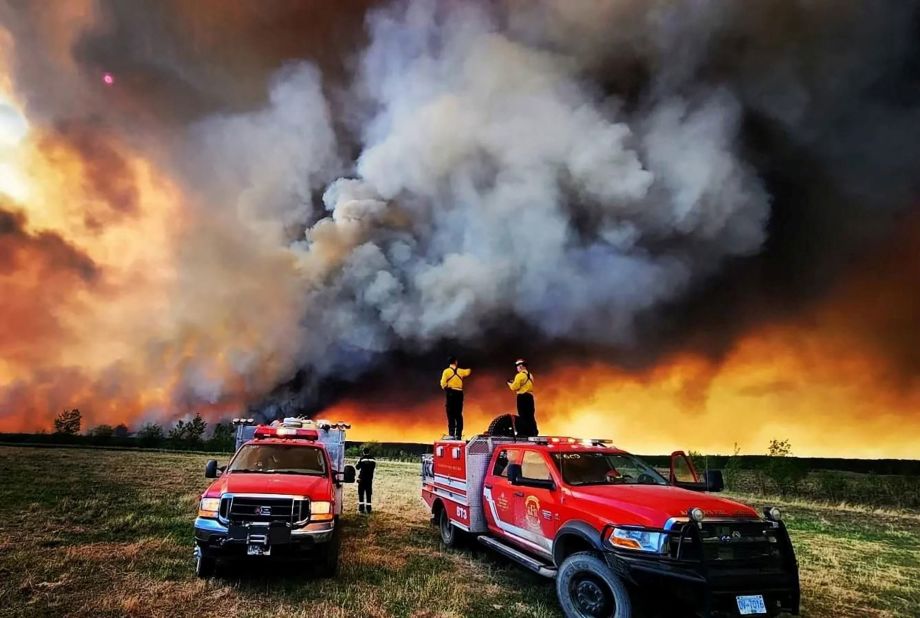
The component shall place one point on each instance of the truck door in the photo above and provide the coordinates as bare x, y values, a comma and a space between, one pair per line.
498, 492
682, 470
536, 509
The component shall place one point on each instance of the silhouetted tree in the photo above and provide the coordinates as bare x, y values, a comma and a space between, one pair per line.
785, 471
189, 432
150, 434
121, 431
68, 422
223, 437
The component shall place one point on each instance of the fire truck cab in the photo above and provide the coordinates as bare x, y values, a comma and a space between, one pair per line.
280, 496
609, 528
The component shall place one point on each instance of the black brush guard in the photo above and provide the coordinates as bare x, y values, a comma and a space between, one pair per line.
702, 574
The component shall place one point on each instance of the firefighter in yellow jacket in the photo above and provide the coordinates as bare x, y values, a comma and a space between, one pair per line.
522, 386
452, 385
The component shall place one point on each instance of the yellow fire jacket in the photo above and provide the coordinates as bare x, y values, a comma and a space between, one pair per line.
522, 383
453, 378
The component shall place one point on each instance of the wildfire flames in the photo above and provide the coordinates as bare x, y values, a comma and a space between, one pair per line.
699, 226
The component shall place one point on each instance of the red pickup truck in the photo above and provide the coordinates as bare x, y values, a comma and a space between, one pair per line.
610, 528
280, 497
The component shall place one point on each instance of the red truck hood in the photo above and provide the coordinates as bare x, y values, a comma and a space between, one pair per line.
315, 487
653, 505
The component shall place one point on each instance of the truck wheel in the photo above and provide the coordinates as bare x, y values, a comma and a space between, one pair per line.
205, 566
327, 564
451, 536
587, 588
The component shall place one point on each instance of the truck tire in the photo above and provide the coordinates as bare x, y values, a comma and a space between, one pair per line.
502, 425
451, 535
205, 565
587, 588
327, 558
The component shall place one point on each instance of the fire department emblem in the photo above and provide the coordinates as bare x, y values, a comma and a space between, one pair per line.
532, 513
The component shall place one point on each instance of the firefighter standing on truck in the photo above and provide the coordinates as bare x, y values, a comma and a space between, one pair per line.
452, 385
366, 466
522, 385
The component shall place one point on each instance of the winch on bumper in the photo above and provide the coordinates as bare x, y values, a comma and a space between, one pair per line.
709, 565
232, 539
257, 525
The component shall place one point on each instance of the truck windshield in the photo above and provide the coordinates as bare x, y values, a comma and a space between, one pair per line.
606, 469
279, 459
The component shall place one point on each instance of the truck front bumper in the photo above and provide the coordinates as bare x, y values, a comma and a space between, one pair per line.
710, 591
709, 584
229, 540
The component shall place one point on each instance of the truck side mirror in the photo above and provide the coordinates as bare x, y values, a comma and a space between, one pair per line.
714, 480
210, 469
514, 473
348, 475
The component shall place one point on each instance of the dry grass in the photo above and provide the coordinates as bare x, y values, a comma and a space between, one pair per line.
108, 533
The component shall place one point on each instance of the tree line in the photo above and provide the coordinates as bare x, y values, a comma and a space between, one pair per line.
184, 434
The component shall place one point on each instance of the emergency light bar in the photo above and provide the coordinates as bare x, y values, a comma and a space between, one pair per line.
264, 431
550, 440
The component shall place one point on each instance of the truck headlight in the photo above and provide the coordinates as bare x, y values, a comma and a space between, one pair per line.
641, 540
208, 507
321, 510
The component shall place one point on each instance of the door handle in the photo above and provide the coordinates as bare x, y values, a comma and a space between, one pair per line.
519, 494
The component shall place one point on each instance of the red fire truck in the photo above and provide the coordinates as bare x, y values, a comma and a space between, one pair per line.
609, 528
280, 496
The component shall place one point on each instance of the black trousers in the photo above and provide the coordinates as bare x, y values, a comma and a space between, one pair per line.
365, 491
527, 421
454, 406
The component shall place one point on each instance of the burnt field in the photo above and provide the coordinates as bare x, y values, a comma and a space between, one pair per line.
108, 533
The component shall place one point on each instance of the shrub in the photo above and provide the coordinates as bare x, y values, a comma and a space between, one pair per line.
102, 432
731, 471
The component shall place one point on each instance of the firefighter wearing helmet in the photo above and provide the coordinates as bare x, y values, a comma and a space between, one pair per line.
522, 385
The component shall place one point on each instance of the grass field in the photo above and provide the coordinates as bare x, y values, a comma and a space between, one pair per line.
108, 533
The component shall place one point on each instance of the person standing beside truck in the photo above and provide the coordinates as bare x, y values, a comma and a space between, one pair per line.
452, 385
522, 386
365, 466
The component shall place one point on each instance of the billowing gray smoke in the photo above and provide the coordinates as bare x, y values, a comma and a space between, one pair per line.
495, 180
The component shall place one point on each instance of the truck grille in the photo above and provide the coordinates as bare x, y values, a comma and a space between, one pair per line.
244, 509
727, 541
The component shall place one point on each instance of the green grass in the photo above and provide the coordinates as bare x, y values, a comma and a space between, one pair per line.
108, 533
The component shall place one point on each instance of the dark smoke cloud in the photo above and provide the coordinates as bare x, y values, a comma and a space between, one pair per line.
559, 178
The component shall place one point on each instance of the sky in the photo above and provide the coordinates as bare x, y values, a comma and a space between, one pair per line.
698, 221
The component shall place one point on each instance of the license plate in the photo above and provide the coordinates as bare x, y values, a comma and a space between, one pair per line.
751, 604
258, 550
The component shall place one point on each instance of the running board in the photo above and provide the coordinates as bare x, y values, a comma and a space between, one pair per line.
520, 557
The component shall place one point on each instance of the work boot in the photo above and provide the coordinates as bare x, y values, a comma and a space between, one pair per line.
361, 508
368, 511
